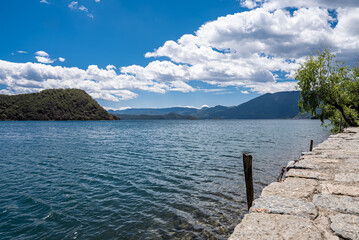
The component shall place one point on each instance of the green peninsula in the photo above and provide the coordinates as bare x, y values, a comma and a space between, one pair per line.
52, 104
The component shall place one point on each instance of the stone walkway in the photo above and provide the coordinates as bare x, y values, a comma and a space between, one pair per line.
318, 199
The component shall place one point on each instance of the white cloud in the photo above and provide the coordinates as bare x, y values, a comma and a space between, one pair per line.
44, 1
251, 3
42, 54
245, 92
248, 49
43, 57
116, 109
213, 90
75, 6
97, 1
110, 67
100, 83
251, 49
22, 52
277, 4
83, 8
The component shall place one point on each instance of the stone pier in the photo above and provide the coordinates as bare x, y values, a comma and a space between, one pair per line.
318, 199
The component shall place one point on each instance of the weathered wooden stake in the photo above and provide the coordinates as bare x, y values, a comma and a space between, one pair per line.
247, 164
279, 178
311, 146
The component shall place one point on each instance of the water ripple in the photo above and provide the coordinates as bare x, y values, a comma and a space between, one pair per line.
137, 179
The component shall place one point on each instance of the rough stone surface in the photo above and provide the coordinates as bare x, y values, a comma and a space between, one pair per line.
323, 224
280, 205
273, 227
345, 225
318, 199
343, 204
346, 177
301, 173
339, 189
313, 163
299, 188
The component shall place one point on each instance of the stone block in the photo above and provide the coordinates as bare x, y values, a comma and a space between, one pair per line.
345, 225
303, 173
299, 188
281, 205
346, 177
257, 226
342, 204
339, 189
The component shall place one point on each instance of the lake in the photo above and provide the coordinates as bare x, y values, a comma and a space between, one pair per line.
138, 179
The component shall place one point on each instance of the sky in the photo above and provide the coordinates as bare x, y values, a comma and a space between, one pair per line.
160, 53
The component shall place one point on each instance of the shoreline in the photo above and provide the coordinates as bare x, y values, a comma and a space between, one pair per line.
318, 198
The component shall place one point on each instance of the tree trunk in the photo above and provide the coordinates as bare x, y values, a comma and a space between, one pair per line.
349, 120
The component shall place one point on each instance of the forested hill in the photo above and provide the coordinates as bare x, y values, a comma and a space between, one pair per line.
52, 104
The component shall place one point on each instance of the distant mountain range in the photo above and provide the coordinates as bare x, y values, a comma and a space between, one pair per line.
157, 111
280, 105
75, 104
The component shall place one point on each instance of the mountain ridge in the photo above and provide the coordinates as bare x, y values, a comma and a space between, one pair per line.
280, 105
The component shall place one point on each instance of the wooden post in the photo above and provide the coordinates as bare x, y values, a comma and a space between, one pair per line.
311, 146
279, 178
247, 164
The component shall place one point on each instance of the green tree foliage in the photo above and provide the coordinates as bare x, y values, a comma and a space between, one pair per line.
329, 89
52, 104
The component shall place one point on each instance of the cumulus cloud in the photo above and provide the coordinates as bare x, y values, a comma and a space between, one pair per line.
258, 50
43, 57
251, 3
100, 83
276, 4
42, 54
248, 49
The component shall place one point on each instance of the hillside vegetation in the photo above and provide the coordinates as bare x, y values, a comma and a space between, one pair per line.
52, 104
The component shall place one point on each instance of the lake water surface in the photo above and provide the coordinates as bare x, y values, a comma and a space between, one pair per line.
138, 179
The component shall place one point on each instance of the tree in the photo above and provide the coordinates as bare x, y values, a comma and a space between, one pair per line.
329, 89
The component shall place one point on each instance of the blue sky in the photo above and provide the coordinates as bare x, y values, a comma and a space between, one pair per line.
160, 53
